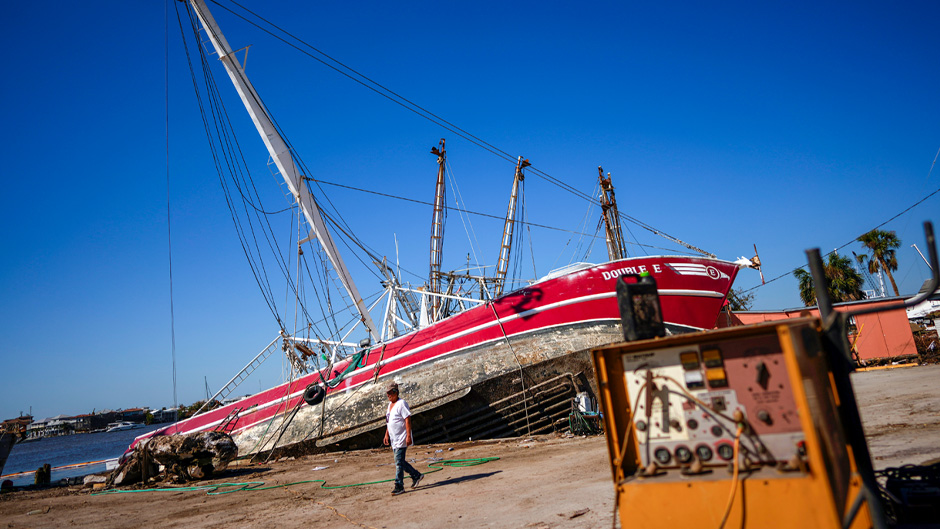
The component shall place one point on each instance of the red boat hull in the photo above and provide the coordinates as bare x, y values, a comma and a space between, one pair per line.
573, 307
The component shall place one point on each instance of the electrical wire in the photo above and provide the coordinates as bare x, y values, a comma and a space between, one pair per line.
626, 437
912, 206
734, 477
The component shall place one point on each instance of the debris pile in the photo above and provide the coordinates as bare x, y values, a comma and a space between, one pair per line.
180, 458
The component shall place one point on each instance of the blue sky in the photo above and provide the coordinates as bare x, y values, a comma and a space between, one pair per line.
790, 126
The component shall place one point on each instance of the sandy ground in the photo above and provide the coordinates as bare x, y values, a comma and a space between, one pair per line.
901, 414
542, 482
538, 482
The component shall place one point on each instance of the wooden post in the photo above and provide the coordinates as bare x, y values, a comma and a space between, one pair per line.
144, 465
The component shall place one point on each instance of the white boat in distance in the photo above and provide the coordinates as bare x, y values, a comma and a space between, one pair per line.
123, 425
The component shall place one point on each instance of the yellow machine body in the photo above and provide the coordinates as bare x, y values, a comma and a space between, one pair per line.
674, 407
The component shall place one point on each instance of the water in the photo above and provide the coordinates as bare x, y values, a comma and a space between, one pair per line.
69, 450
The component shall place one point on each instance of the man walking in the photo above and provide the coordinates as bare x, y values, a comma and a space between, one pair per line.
398, 434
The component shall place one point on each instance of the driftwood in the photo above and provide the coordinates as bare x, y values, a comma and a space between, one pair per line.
179, 458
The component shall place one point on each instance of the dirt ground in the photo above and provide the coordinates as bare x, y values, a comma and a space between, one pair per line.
540, 482
901, 414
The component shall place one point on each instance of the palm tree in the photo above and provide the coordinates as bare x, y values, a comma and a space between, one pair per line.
882, 245
807, 290
845, 284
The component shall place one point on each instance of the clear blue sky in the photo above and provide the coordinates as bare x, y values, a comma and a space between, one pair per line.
790, 126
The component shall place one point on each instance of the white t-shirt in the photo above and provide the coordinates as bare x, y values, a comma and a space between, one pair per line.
395, 417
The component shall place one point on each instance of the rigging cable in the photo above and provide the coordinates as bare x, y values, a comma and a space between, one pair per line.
257, 263
295, 159
480, 214
531, 245
218, 166
462, 212
525, 396
238, 171
169, 238
434, 118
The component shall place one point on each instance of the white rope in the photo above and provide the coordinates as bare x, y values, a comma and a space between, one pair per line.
525, 396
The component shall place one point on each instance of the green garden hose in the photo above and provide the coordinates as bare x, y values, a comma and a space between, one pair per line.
251, 486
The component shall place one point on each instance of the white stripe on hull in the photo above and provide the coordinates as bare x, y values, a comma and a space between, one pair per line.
525, 314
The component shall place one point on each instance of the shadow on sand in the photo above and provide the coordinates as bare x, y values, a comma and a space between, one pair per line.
454, 481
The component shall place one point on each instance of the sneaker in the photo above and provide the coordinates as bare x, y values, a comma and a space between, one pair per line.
415, 481
398, 491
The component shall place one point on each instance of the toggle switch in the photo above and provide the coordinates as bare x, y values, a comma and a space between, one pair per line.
764, 417
763, 375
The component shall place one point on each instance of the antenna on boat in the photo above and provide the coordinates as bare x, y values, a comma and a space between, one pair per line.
282, 157
397, 263
502, 265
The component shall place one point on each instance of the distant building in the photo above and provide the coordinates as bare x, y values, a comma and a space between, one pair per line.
880, 335
53, 426
134, 414
164, 415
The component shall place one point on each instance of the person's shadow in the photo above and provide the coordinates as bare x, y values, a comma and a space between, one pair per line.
454, 481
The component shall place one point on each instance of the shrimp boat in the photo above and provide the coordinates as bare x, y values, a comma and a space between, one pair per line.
474, 358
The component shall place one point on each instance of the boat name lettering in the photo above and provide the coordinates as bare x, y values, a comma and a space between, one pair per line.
614, 274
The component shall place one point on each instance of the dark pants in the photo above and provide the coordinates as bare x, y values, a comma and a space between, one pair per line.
402, 466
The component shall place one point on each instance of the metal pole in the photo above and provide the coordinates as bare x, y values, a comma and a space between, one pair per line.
820, 283
914, 246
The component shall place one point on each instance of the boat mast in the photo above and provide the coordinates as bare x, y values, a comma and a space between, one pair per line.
616, 249
282, 157
437, 233
502, 265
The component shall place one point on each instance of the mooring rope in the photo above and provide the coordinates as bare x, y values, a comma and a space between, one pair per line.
525, 395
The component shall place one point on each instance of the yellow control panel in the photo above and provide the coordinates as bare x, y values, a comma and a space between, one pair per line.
736, 428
